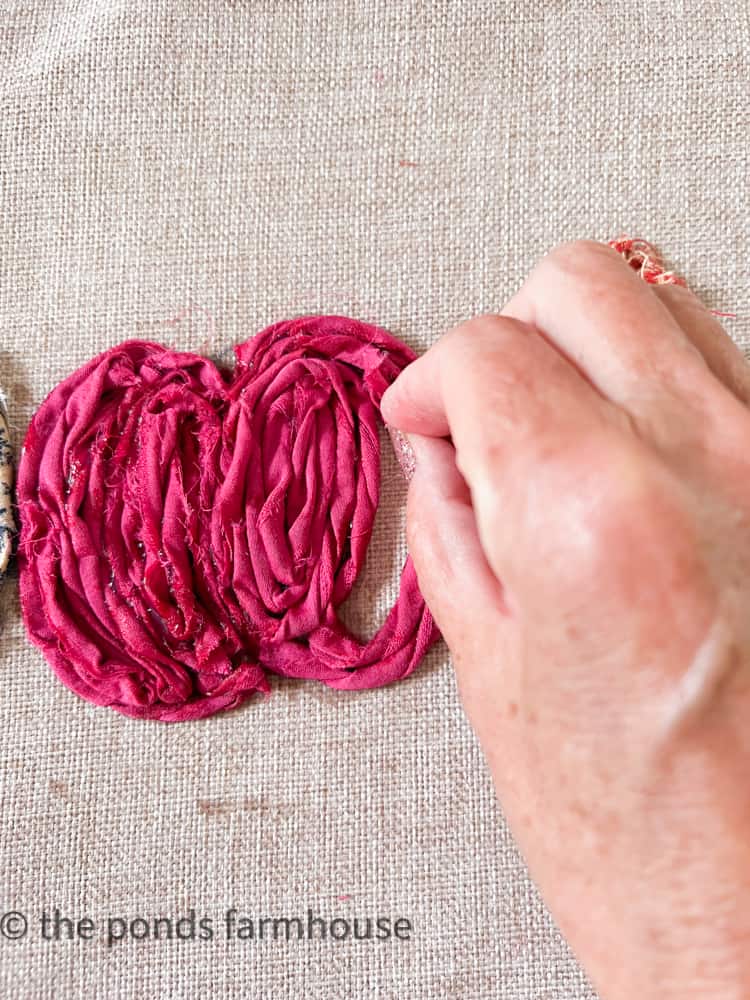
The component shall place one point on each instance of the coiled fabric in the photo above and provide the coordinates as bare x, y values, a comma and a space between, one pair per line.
185, 530
7, 520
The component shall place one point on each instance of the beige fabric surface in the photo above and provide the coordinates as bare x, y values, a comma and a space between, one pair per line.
190, 172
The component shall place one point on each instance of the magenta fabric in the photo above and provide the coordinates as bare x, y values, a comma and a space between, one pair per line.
185, 530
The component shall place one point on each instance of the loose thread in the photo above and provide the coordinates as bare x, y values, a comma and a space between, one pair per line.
646, 260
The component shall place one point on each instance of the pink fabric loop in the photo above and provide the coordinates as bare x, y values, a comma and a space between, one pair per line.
182, 529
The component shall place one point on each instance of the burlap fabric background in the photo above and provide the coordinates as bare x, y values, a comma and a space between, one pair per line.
190, 172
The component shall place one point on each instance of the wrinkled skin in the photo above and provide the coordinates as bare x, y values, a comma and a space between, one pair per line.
579, 521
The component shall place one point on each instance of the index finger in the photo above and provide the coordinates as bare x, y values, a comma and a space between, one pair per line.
510, 402
607, 321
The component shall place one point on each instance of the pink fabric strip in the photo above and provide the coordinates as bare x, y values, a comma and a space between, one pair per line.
184, 530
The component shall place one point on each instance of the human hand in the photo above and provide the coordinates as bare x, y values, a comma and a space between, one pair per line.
579, 519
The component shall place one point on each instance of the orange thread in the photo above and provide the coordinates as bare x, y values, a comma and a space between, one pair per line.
644, 258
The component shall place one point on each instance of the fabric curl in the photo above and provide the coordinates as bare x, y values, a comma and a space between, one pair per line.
184, 530
7, 520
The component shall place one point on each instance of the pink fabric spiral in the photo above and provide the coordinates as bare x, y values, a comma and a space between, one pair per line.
183, 530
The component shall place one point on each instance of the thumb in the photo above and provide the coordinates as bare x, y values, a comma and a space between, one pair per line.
465, 597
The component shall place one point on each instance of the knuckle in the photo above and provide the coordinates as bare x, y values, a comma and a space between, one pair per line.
685, 303
475, 329
578, 257
485, 336
672, 292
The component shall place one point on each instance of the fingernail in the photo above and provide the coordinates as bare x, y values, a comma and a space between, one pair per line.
404, 452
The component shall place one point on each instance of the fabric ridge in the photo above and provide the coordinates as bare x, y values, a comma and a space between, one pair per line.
7, 519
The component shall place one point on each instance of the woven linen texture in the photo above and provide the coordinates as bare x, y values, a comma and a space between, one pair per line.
190, 172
